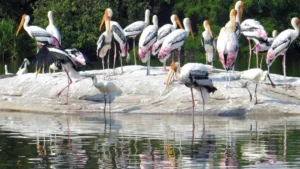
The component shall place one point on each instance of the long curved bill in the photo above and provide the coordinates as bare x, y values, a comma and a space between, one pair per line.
178, 22
169, 78
103, 20
191, 30
209, 29
21, 24
241, 9
233, 13
273, 85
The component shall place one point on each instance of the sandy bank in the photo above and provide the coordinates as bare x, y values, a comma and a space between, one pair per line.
145, 94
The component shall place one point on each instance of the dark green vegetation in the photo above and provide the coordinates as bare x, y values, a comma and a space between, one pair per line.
78, 21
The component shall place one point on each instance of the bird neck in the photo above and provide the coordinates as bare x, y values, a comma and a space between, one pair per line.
25, 65
178, 74
5, 69
174, 24
147, 18
26, 22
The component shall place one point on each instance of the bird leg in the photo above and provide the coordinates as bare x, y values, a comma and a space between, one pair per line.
108, 63
134, 50
249, 53
115, 56
121, 62
256, 93
193, 103
203, 108
256, 52
262, 57
246, 86
104, 104
109, 103
165, 68
284, 70
179, 57
69, 83
148, 63
103, 68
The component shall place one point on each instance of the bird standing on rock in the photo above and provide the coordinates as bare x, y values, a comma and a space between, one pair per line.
107, 88
255, 75
194, 76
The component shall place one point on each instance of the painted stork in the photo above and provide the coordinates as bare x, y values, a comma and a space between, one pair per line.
51, 28
239, 7
135, 28
263, 47
255, 75
105, 39
228, 45
147, 39
175, 40
49, 54
253, 30
39, 34
193, 76
281, 44
163, 32
208, 43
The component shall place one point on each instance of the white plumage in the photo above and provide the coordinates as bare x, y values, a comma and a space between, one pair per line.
194, 76
51, 28
147, 39
163, 32
135, 28
255, 75
282, 43
175, 40
208, 42
107, 88
39, 34
23, 70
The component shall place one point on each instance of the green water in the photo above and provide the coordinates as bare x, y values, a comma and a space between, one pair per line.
92, 140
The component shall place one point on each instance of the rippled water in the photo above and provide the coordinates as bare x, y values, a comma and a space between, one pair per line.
147, 141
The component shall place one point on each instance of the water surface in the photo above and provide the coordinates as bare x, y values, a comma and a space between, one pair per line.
146, 141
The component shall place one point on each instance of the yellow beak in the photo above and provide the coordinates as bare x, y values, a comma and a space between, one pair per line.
209, 29
103, 20
178, 22
21, 24
169, 78
191, 30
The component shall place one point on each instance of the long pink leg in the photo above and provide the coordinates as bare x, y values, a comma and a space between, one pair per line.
134, 51
69, 83
256, 57
249, 53
284, 70
115, 56
193, 106
262, 58
203, 108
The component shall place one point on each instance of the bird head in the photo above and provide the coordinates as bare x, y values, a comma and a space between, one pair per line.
240, 6
207, 26
266, 75
174, 68
106, 17
24, 16
176, 19
232, 17
77, 56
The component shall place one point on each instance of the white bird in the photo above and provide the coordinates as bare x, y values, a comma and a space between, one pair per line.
228, 45
193, 76
39, 34
55, 67
175, 40
263, 46
239, 7
48, 54
105, 39
282, 43
255, 75
23, 70
6, 71
208, 42
51, 28
147, 39
135, 28
107, 88
253, 30
163, 32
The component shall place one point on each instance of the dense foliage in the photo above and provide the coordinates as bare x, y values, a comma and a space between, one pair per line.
78, 21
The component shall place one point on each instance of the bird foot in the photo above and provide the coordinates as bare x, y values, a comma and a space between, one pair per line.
58, 94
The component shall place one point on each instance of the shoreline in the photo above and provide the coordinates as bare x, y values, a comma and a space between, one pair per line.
145, 95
